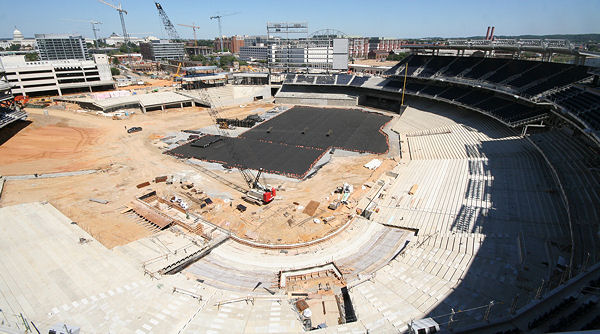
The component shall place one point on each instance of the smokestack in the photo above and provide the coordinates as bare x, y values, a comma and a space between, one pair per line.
492, 34
487, 34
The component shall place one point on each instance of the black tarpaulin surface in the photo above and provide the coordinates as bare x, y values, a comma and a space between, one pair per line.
292, 142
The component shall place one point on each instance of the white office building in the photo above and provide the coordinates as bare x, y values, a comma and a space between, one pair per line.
317, 55
61, 46
162, 50
253, 53
57, 77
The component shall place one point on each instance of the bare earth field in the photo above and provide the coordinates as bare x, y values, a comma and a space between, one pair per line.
66, 141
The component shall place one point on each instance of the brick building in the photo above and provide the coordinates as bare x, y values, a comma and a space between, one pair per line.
231, 44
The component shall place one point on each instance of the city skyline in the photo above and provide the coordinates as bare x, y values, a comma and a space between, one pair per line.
395, 19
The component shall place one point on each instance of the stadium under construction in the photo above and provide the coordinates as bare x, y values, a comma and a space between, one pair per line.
450, 193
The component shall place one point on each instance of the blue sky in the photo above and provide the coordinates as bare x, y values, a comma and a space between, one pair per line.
401, 18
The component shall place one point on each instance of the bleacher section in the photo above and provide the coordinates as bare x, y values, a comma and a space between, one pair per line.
309, 79
289, 78
472, 82
574, 160
485, 68
502, 107
325, 80
8, 116
528, 78
460, 65
583, 104
358, 81
343, 79
434, 65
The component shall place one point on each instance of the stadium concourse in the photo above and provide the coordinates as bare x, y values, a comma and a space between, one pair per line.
487, 221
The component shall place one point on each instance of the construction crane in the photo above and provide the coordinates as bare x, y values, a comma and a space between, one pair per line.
218, 18
173, 35
121, 11
94, 29
257, 193
194, 27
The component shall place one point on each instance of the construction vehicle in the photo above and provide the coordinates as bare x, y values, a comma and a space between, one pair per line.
177, 75
257, 193
21, 101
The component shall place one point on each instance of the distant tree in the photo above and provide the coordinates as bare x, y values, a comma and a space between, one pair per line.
205, 42
32, 56
226, 61
114, 71
397, 57
115, 61
14, 47
198, 58
1, 48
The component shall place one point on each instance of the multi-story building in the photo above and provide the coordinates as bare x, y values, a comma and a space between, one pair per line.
389, 44
359, 47
255, 40
57, 77
252, 53
231, 44
162, 50
309, 54
115, 39
61, 46
194, 50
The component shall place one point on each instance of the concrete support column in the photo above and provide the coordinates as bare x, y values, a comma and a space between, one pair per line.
162, 107
20, 83
181, 105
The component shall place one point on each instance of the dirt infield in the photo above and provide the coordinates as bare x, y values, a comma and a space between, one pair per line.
66, 140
